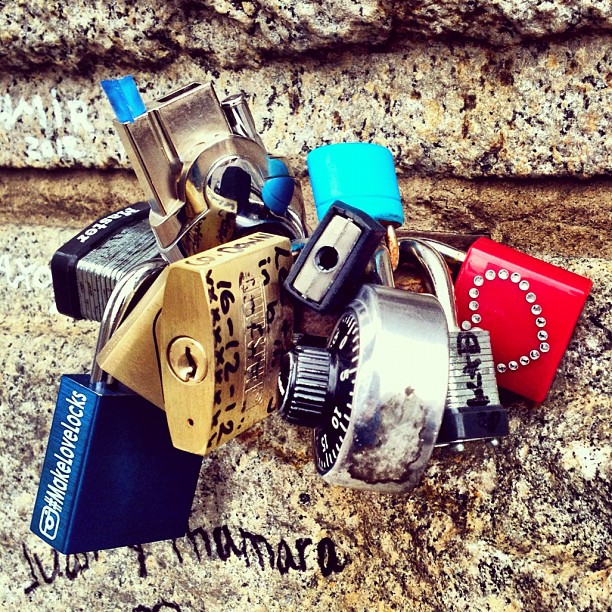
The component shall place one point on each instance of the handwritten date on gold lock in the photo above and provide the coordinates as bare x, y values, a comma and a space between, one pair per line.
223, 330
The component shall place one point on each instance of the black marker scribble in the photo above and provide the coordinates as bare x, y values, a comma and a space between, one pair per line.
162, 605
198, 545
48, 572
284, 557
278, 253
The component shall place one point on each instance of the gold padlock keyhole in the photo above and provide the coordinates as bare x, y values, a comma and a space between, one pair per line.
187, 360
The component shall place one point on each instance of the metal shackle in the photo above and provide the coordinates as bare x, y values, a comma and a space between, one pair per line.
473, 410
437, 278
117, 307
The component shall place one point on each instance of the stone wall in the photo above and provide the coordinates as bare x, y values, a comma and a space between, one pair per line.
498, 116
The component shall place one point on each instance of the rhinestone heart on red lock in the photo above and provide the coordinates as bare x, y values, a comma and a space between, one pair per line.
530, 308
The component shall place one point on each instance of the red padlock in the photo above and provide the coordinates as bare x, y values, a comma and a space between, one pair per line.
529, 307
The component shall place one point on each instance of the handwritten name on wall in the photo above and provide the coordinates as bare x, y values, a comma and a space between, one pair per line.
219, 543
20, 274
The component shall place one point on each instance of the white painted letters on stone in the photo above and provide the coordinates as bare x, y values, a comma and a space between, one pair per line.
56, 127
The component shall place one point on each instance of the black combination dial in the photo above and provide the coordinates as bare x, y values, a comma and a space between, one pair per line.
318, 387
333, 427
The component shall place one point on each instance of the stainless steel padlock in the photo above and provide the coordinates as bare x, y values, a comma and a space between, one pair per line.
473, 410
111, 476
86, 269
376, 394
203, 168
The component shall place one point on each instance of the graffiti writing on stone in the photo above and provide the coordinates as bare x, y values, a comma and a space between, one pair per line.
222, 543
19, 273
46, 126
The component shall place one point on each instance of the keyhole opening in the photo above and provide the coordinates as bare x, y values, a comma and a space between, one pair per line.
187, 360
190, 422
326, 258
191, 366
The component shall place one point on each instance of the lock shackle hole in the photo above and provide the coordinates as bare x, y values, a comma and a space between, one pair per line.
326, 258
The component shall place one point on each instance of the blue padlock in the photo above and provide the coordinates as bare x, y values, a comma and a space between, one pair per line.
362, 175
111, 476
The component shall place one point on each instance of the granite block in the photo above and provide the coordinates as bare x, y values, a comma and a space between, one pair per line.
464, 110
228, 34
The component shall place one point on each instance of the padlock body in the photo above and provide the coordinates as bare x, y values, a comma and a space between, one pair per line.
329, 269
529, 307
86, 268
131, 355
226, 306
111, 476
379, 435
472, 410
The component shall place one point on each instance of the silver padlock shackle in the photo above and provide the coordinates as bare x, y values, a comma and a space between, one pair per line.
437, 278
380, 267
116, 308
451, 254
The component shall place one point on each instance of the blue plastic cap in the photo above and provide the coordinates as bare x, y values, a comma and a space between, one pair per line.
359, 174
277, 193
124, 97
276, 167
278, 188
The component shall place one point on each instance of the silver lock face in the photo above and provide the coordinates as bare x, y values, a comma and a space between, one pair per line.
393, 377
99, 271
321, 270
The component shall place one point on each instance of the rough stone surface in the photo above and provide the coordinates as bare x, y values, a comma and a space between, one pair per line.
442, 108
497, 114
573, 217
525, 527
230, 34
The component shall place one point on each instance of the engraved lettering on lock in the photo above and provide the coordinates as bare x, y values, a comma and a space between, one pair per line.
50, 516
102, 224
468, 345
253, 303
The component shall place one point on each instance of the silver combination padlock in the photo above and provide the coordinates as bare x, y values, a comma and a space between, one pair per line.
376, 394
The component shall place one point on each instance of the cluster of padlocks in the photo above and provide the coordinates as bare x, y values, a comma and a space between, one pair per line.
218, 307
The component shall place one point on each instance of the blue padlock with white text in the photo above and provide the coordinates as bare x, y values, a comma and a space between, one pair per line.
111, 476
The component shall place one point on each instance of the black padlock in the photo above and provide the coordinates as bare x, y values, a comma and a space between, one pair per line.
329, 270
86, 269
111, 476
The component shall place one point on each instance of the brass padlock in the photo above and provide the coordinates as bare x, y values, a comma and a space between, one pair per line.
205, 342
131, 355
